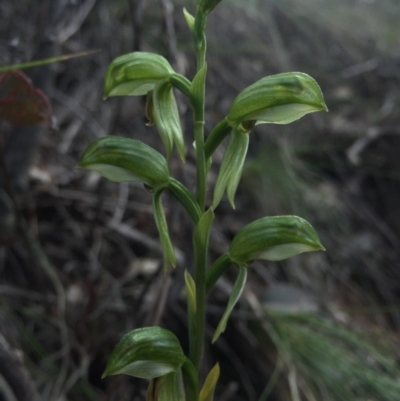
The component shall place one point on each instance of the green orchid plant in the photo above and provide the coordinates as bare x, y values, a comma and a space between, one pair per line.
154, 353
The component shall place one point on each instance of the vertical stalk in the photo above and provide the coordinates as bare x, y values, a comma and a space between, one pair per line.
201, 189
200, 37
202, 231
199, 105
200, 255
201, 237
217, 269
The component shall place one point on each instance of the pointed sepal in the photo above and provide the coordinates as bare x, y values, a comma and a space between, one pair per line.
166, 116
273, 238
231, 167
123, 159
277, 99
146, 353
233, 299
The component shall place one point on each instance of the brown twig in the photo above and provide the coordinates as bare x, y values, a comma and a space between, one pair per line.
15, 374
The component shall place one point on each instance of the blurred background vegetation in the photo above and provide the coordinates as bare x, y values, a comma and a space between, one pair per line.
85, 267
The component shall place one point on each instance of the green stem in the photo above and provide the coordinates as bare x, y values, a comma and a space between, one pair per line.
202, 231
217, 269
217, 135
185, 198
203, 224
201, 189
181, 83
199, 105
200, 38
200, 243
196, 353
191, 312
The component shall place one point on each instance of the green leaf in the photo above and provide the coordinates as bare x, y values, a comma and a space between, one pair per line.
273, 238
122, 159
135, 74
161, 222
146, 353
277, 99
231, 167
207, 392
166, 116
233, 299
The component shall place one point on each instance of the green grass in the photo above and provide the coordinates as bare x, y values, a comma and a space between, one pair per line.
335, 363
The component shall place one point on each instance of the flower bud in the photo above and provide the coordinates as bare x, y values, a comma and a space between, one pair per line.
123, 159
135, 74
189, 19
273, 238
146, 353
277, 99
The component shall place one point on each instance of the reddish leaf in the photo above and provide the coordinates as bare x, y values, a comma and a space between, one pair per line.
20, 102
